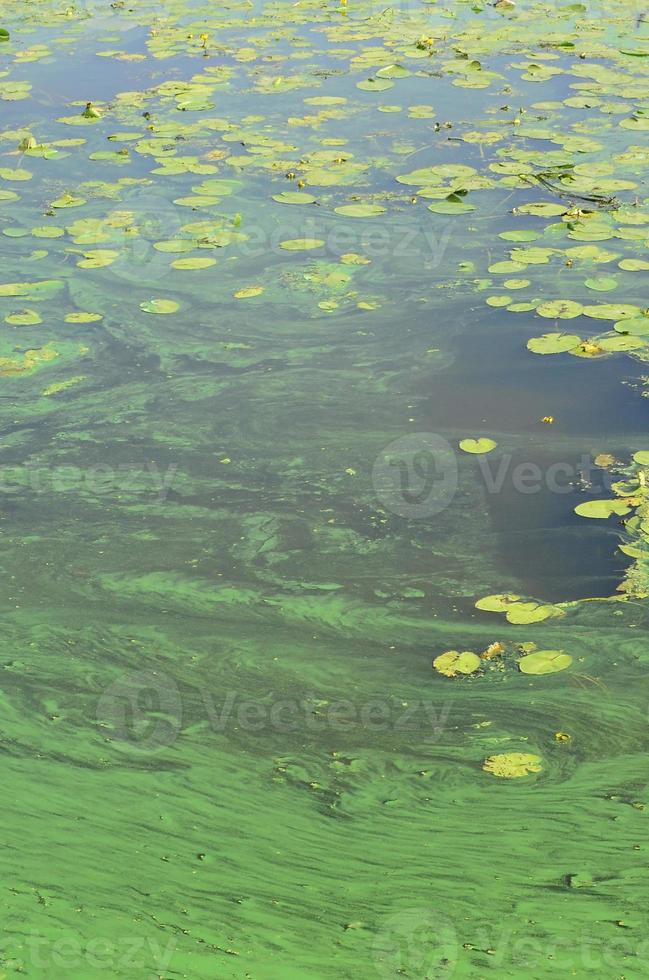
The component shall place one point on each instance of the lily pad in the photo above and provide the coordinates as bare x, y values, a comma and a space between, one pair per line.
478, 446
294, 197
563, 309
523, 613
497, 603
360, 210
513, 765
24, 318
553, 343
375, 85
453, 663
602, 509
301, 244
160, 306
544, 662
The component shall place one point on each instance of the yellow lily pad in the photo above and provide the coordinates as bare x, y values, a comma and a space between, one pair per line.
477, 446
512, 765
160, 306
301, 244
452, 663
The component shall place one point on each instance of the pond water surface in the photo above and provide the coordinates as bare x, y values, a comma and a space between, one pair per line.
266, 268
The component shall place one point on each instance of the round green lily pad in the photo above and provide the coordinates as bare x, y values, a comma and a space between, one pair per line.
544, 662
160, 306
477, 446
294, 197
360, 210
497, 603
564, 309
523, 613
602, 509
553, 343
602, 284
301, 244
23, 318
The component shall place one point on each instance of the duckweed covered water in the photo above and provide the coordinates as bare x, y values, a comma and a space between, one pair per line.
266, 267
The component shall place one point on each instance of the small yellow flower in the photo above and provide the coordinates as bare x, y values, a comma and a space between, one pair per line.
562, 737
548, 419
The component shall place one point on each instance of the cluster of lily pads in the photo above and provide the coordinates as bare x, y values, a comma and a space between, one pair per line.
527, 659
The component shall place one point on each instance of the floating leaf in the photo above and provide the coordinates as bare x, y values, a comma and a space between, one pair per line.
477, 446
542, 209
248, 292
602, 509
160, 306
512, 765
497, 603
394, 71
375, 85
24, 318
193, 263
553, 343
80, 316
564, 309
635, 326
544, 662
612, 311
453, 663
602, 284
621, 343
360, 210
294, 197
523, 613
455, 205
301, 244
634, 265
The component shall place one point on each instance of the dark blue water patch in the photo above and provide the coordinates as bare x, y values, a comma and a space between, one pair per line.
554, 553
496, 387
496, 384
